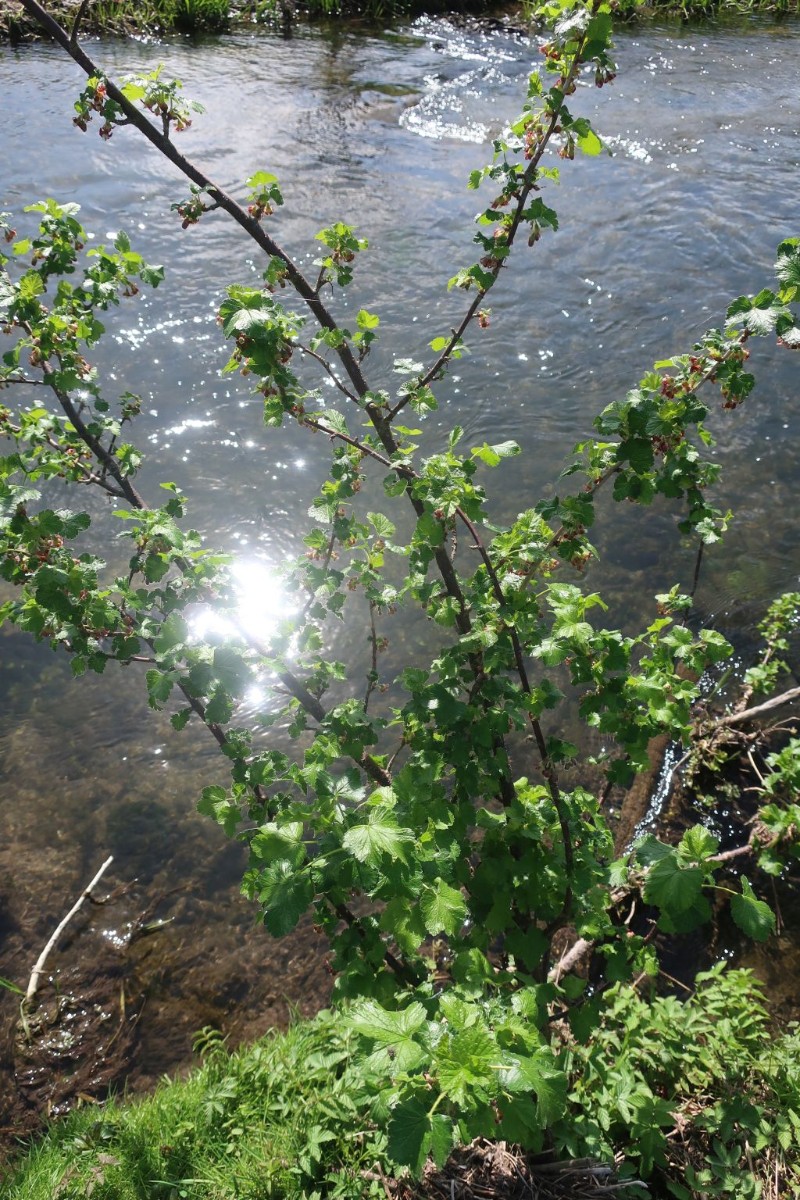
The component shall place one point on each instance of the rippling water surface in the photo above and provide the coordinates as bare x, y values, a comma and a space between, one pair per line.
382, 131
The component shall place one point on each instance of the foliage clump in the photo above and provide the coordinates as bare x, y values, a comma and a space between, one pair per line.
432, 833
696, 1096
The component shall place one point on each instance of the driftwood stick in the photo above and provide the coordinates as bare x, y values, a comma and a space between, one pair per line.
737, 718
33, 983
570, 959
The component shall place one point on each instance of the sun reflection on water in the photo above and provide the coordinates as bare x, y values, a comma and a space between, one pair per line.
261, 603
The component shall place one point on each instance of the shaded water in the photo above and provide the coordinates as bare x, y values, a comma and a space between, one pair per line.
381, 131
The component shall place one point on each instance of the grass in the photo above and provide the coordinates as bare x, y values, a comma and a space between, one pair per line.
294, 1117
121, 17
277, 1119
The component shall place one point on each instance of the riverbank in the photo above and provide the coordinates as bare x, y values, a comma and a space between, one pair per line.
195, 17
714, 1110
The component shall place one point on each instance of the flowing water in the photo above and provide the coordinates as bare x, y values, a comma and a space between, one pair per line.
380, 130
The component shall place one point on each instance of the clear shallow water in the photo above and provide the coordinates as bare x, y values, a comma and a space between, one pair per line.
382, 131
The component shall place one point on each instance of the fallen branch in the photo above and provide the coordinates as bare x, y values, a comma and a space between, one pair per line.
583, 946
747, 714
33, 983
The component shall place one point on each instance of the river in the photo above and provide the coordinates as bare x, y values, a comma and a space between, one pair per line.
381, 130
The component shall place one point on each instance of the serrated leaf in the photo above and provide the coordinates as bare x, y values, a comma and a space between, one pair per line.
443, 908
539, 1074
380, 835
672, 887
697, 844
441, 1138
179, 720
392, 1031
173, 633
285, 894
758, 313
590, 143
465, 1063
381, 524
367, 320
650, 850
409, 1135
279, 843
261, 179
787, 268
753, 916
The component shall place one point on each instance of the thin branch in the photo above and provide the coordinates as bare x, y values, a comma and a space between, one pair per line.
758, 710
9, 379
528, 183
242, 218
368, 451
90, 476
33, 983
548, 769
97, 448
697, 565
372, 677
328, 556
73, 37
402, 970
329, 371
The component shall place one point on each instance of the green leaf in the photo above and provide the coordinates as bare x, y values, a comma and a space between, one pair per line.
538, 1073
672, 887
465, 1063
590, 143
442, 1136
174, 632
30, 285
179, 720
787, 268
392, 1030
753, 916
492, 455
444, 909
279, 843
409, 1135
367, 320
285, 894
697, 844
159, 687
381, 835
261, 179
381, 524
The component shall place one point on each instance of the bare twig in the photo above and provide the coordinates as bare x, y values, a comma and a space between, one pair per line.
758, 710
33, 983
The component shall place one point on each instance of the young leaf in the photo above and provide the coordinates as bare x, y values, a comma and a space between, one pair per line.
753, 916
443, 908
381, 835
